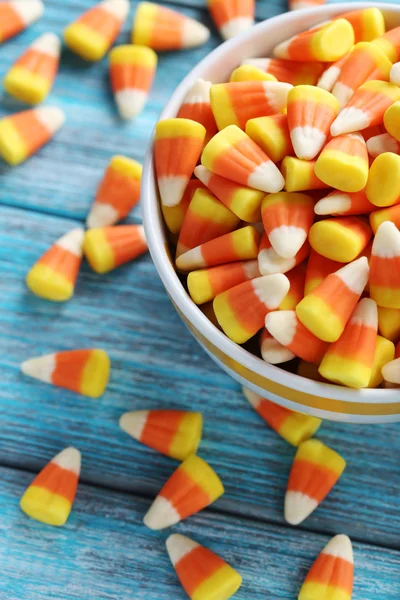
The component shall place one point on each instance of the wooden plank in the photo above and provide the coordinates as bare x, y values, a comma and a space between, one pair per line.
156, 363
105, 552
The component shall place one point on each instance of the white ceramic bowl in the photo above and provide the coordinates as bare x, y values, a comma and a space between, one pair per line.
290, 390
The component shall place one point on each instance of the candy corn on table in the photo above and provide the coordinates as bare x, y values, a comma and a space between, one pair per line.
105, 551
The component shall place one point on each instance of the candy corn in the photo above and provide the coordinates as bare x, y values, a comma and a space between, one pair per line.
253, 168
343, 163
174, 215
292, 426
341, 239
326, 310
50, 496
177, 148
272, 135
326, 43
193, 486
250, 73
318, 269
383, 186
389, 42
197, 107
236, 103
17, 15
367, 23
384, 353
389, 323
366, 61
164, 29
232, 16
331, 74
395, 74
107, 248
31, 77
287, 218
203, 574
299, 175
270, 262
332, 574
341, 203
272, 351
242, 201
296, 278
241, 244
384, 280
349, 361
24, 133
366, 107
241, 310
381, 143
392, 213
94, 32
205, 284
118, 192
316, 469
310, 113
132, 70
290, 71
391, 371
85, 372
391, 120
175, 433
54, 275
286, 328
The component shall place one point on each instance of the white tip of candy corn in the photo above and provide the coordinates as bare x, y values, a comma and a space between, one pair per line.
282, 325
267, 178
276, 93
273, 352
340, 547
194, 33
134, 422
366, 313
199, 92
161, 514
40, 368
271, 289
70, 459
328, 78
253, 398
101, 215
236, 26
307, 141
130, 103
118, 8
391, 371
298, 507
260, 63
350, 119
51, 117
72, 241
395, 74
382, 143
172, 189
203, 174
188, 260
178, 546
48, 43
335, 204
386, 243
342, 93
287, 240
29, 11
270, 262
355, 274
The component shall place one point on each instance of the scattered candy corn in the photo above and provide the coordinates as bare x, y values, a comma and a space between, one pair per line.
85, 372
31, 77
107, 248
232, 16
94, 32
24, 133
203, 574
383, 186
384, 281
193, 486
272, 135
205, 284
197, 107
343, 163
391, 371
269, 261
381, 143
341, 239
164, 29
50, 496
132, 70
175, 433
174, 215
272, 351
316, 469
341, 203
367, 23
318, 269
54, 275
17, 15
384, 353
299, 175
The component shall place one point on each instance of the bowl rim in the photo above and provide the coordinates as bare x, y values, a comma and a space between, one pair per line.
155, 233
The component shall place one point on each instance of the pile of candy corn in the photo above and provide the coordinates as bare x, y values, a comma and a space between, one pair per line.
280, 191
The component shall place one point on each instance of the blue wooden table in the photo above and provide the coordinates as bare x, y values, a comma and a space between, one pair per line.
104, 551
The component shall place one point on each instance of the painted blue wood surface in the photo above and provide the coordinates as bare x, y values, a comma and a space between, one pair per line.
155, 363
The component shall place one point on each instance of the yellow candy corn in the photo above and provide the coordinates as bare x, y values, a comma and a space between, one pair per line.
106, 248
384, 353
272, 135
341, 239
389, 323
383, 186
299, 175
391, 120
250, 73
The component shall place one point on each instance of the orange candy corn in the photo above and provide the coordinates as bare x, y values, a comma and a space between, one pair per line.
286, 328
331, 74
164, 29
349, 361
107, 248
272, 351
343, 163
310, 113
203, 574
316, 469
243, 201
381, 143
118, 192
241, 244
93, 34
341, 203
175, 433
272, 135
326, 310
341, 239
384, 282
253, 168
289, 71
296, 278
132, 70
174, 215
367, 23
206, 219
292, 426
31, 77
232, 16
270, 262
235, 103
241, 310
318, 269
389, 42
24, 133
324, 43
392, 213
85, 372
299, 175
197, 107
366, 107
193, 486
331, 576
50, 496
205, 284
287, 218
54, 275
177, 148
17, 15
